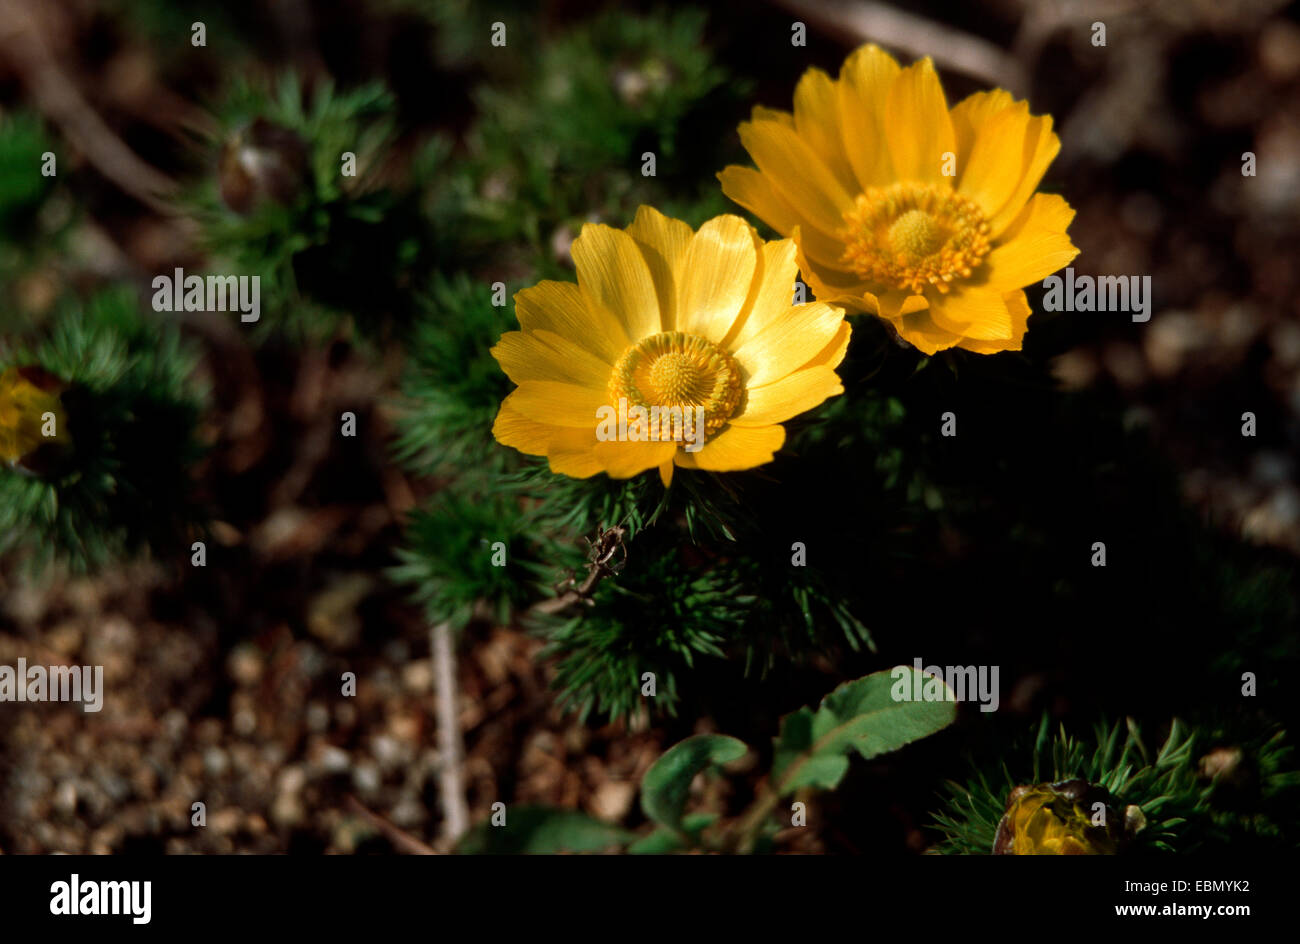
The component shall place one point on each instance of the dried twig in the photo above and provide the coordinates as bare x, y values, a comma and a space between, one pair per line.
451, 775
23, 43
601, 564
400, 839
869, 21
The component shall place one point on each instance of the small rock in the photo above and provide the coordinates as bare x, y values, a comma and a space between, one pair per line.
317, 717
287, 810
366, 778
292, 779
418, 676
65, 798
408, 813
215, 761
245, 665
388, 751
613, 799
244, 722
65, 639
332, 760
225, 821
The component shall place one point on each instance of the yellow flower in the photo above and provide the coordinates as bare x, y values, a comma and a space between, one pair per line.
1056, 819
903, 208
29, 406
674, 348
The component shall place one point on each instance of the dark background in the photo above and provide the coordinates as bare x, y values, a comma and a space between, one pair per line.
223, 681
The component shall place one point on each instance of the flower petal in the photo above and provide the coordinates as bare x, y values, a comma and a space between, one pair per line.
740, 447
773, 292
832, 355
756, 194
1036, 244
1041, 148
970, 115
762, 113
817, 119
997, 161
865, 79
563, 308
788, 397
663, 242
716, 276
571, 452
666, 472
1018, 305
897, 303
789, 341
613, 271
919, 130
622, 460
919, 330
833, 285
511, 428
568, 449
972, 312
545, 355
560, 404
796, 172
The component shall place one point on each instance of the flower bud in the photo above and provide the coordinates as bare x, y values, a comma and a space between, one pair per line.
262, 161
1060, 819
34, 435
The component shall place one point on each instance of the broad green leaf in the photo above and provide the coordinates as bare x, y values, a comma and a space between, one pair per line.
664, 787
536, 830
664, 841
864, 716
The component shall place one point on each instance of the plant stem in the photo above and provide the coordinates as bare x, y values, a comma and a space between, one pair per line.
744, 834
451, 774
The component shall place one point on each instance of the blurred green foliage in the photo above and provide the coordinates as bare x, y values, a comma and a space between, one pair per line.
277, 203
35, 215
132, 410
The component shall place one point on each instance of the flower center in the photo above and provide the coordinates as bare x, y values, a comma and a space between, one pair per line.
677, 377
675, 369
913, 236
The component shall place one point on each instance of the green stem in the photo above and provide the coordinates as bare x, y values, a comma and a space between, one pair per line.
744, 834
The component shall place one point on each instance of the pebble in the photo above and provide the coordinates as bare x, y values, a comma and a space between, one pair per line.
287, 810
245, 665
613, 799
332, 760
215, 761
65, 798
366, 778
388, 751
418, 676
225, 821
408, 813
317, 717
244, 722
292, 779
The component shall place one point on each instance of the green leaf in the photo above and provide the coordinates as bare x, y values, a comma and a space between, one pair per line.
536, 830
863, 716
664, 788
664, 841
